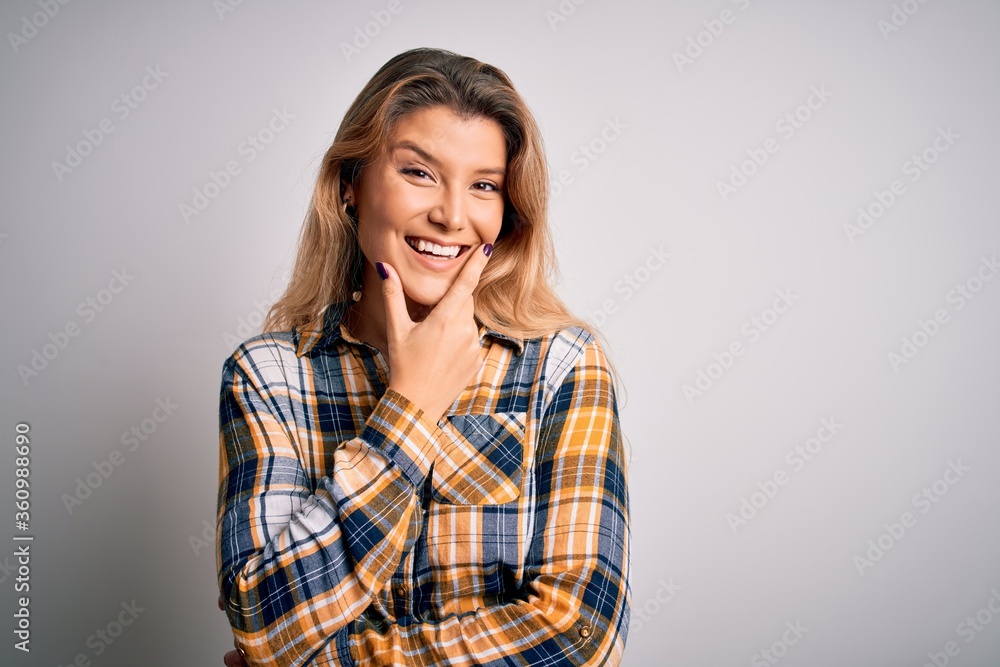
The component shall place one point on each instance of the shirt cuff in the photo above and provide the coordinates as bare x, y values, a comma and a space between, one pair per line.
344, 646
404, 433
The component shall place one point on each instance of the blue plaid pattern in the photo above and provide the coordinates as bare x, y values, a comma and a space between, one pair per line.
353, 530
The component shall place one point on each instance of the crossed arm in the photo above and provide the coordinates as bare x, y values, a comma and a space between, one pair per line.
297, 568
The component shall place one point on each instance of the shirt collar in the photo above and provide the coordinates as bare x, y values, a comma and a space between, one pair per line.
327, 329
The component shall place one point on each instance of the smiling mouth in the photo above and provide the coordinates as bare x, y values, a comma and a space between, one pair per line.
434, 251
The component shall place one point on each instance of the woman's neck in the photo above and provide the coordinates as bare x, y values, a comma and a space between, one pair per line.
365, 318
366, 326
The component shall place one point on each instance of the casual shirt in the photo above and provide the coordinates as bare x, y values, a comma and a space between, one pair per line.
354, 530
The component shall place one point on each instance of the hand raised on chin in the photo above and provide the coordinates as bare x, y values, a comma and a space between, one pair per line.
432, 361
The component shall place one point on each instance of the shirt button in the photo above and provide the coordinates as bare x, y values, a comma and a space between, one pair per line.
400, 591
585, 632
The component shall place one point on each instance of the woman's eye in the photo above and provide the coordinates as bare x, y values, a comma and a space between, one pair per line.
420, 173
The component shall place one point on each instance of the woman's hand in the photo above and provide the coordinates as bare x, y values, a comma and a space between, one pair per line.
232, 658
432, 361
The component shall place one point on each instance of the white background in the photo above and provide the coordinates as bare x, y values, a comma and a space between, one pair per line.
703, 593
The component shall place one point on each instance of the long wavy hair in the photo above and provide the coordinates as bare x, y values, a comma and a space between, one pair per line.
514, 295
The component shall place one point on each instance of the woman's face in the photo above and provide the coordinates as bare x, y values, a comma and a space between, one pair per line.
440, 179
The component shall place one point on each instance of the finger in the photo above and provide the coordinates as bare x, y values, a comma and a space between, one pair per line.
234, 659
461, 290
468, 312
396, 315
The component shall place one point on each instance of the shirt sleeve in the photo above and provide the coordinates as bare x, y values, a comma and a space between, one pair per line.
577, 600
295, 564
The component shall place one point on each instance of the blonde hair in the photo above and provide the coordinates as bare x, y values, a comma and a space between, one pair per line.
514, 295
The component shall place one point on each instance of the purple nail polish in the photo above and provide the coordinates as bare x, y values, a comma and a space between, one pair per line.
488, 248
382, 273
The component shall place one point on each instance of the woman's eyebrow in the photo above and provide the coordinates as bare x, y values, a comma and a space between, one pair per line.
409, 145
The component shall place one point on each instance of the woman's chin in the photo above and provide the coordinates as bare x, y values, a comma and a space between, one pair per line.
424, 292
421, 301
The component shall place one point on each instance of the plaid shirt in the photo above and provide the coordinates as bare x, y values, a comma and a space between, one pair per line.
352, 530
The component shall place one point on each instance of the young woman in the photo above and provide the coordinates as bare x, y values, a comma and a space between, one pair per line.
421, 461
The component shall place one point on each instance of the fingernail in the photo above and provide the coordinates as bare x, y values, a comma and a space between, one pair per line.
382, 273
488, 248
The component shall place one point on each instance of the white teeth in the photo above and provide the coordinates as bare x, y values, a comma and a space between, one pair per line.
442, 251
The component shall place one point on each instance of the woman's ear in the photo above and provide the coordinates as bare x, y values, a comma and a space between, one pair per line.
348, 193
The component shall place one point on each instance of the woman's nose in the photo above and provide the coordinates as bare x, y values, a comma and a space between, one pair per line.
448, 210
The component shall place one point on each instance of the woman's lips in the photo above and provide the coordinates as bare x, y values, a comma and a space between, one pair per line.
461, 247
437, 264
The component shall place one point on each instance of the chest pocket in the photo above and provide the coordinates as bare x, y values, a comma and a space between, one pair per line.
483, 465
